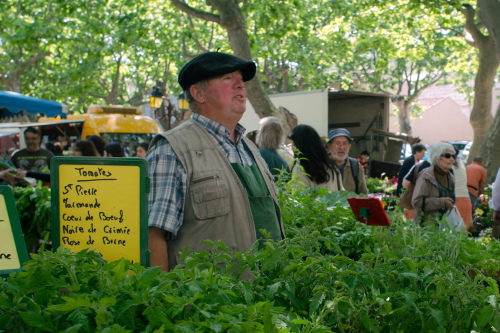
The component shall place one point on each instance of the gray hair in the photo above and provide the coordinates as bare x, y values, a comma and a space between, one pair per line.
437, 149
270, 133
203, 84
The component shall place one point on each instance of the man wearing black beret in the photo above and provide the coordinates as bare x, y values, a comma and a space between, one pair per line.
207, 180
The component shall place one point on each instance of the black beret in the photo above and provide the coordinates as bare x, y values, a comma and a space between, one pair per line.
212, 64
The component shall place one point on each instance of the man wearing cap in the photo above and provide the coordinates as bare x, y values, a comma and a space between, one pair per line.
208, 181
353, 178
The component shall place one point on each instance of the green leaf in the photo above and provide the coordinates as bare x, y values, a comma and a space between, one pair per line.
316, 301
438, 315
485, 315
272, 290
71, 304
37, 320
73, 329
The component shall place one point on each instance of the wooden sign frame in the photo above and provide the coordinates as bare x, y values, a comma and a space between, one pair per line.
101, 203
369, 211
14, 238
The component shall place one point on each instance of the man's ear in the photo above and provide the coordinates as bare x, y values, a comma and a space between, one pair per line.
197, 93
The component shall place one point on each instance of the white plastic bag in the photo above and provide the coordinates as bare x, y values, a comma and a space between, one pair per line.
455, 222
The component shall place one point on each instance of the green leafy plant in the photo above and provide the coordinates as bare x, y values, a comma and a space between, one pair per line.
33, 207
331, 274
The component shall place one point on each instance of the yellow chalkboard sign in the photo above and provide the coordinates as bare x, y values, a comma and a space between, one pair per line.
101, 204
13, 251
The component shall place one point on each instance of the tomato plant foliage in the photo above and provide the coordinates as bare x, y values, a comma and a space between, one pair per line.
331, 274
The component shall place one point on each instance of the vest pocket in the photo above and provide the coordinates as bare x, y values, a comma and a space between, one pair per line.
209, 195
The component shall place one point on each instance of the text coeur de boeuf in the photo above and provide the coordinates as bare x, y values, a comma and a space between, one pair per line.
97, 218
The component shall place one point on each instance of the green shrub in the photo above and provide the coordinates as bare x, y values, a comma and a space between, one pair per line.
33, 207
332, 274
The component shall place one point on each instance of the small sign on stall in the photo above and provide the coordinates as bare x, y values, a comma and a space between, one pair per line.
13, 251
369, 211
101, 204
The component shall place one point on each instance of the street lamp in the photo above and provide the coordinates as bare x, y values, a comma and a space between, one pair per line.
156, 98
182, 103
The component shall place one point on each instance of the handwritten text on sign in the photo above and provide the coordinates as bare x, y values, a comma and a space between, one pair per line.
100, 209
9, 258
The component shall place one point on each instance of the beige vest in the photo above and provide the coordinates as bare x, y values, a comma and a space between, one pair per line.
216, 206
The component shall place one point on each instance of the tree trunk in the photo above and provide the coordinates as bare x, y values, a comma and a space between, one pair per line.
490, 12
404, 115
480, 116
490, 149
11, 83
232, 19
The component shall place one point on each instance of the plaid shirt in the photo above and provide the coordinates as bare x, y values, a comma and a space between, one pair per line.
169, 179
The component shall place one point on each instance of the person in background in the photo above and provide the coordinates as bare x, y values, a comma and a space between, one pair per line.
312, 165
269, 139
142, 149
208, 181
476, 179
252, 136
80, 148
32, 158
463, 201
353, 177
434, 191
85, 148
58, 151
363, 159
98, 142
495, 205
113, 149
54, 149
418, 151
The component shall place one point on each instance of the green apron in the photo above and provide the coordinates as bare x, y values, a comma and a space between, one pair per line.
261, 203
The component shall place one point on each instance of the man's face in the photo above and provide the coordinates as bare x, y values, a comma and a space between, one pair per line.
224, 98
339, 148
419, 154
32, 141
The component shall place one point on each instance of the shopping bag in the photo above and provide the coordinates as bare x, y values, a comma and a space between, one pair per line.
454, 221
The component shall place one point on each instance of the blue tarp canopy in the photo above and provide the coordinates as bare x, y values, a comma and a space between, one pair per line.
11, 103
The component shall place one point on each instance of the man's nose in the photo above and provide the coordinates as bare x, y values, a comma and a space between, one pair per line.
240, 83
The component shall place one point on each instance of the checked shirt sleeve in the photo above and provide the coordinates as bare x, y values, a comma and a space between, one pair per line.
168, 188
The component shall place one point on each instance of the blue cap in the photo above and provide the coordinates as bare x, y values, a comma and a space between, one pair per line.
339, 132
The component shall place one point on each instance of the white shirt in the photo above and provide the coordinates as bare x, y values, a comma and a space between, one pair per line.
495, 195
460, 180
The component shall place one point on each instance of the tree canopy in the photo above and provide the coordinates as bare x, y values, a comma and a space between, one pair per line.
114, 52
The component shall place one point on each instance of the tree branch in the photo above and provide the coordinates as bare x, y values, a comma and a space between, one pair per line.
196, 39
33, 59
470, 24
97, 95
181, 5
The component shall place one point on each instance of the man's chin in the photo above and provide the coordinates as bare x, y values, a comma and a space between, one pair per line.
340, 159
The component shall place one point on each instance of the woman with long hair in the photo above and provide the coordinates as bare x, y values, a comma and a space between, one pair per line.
313, 165
142, 149
85, 148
